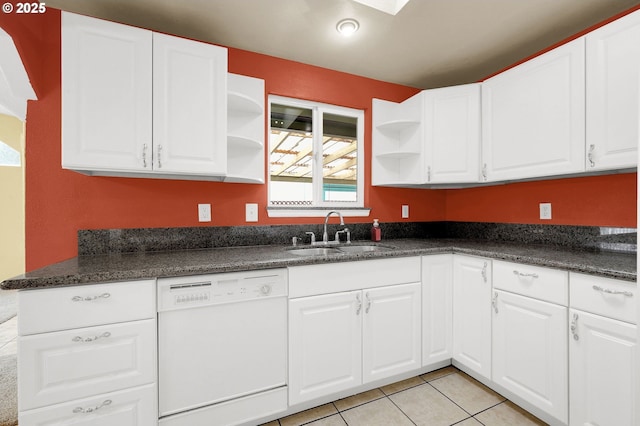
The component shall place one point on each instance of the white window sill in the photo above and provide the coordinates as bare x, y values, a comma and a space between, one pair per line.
316, 211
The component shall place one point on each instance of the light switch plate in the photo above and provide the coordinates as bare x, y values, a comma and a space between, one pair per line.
204, 212
545, 211
251, 212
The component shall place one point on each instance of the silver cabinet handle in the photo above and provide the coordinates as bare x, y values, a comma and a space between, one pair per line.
590, 156
359, 308
609, 291
91, 339
428, 173
90, 298
484, 272
159, 156
144, 155
524, 275
494, 302
79, 410
484, 171
368, 307
574, 327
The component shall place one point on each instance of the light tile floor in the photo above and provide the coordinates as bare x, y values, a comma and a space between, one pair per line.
441, 398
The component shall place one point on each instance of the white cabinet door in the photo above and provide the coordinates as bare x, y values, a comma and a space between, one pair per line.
325, 349
106, 95
603, 367
472, 313
437, 308
131, 407
452, 134
530, 351
391, 331
613, 103
533, 117
66, 365
189, 106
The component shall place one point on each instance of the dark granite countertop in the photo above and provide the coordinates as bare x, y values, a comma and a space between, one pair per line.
133, 266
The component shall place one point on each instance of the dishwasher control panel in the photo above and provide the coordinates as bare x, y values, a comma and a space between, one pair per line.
203, 290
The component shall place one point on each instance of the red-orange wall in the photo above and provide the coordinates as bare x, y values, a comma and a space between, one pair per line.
60, 202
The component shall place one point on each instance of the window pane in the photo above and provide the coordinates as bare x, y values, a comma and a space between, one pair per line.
339, 158
291, 149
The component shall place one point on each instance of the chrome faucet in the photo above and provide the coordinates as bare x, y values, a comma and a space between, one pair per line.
325, 236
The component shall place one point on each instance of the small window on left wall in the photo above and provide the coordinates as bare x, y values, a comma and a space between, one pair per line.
9, 156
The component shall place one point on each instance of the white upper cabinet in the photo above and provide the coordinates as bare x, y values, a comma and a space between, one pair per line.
533, 121
189, 106
138, 103
432, 137
613, 94
245, 129
398, 142
452, 134
106, 95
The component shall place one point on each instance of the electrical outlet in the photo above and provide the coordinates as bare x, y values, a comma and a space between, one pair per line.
545, 211
251, 212
204, 212
405, 211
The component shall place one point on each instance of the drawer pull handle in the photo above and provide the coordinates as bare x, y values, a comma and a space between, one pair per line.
79, 410
494, 301
484, 272
368, 302
90, 298
359, 306
609, 291
91, 339
574, 327
522, 274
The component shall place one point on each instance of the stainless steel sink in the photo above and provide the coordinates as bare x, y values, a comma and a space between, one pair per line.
363, 248
316, 251
341, 249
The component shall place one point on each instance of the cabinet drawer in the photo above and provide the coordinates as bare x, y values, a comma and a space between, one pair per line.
546, 284
83, 306
604, 296
131, 407
66, 365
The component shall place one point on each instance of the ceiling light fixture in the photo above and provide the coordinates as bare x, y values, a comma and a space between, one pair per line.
347, 27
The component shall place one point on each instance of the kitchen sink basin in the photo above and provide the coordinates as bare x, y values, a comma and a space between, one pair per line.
342, 249
363, 248
317, 251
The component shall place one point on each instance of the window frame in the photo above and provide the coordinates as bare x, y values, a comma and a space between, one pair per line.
318, 206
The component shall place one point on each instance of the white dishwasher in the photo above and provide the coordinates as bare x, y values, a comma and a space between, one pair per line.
222, 347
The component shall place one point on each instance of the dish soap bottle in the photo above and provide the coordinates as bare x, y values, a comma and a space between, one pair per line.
376, 232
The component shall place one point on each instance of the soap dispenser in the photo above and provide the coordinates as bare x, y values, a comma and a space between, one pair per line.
376, 232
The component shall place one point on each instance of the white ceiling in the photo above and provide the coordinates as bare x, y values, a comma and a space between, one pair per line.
429, 43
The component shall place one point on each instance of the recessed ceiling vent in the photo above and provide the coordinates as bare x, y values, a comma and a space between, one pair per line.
392, 7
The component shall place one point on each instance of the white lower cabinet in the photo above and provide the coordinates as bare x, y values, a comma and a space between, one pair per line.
472, 313
530, 351
602, 360
603, 352
341, 340
325, 350
437, 308
391, 331
102, 374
